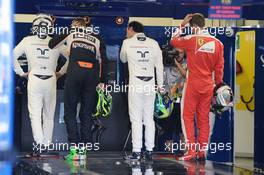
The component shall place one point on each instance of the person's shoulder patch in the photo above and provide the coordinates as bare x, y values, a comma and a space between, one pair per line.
141, 38
208, 47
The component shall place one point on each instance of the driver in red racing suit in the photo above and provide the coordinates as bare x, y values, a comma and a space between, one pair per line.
204, 56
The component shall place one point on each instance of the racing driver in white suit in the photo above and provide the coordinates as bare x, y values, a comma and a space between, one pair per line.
42, 76
143, 55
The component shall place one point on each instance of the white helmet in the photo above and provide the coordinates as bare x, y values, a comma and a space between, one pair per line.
42, 25
222, 99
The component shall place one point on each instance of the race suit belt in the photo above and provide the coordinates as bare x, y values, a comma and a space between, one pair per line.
143, 78
43, 77
85, 64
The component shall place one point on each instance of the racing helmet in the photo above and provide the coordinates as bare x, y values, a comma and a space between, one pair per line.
222, 99
42, 25
163, 106
104, 103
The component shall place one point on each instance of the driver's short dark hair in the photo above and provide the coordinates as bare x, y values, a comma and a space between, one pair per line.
136, 26
197, 19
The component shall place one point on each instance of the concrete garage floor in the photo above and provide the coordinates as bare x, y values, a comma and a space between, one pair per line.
101, 163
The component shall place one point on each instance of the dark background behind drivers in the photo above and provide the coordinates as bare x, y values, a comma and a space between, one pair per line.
117, 124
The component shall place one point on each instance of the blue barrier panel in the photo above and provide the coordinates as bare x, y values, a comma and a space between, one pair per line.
6, 76
259, 103
6, 83
223, 132
5, 168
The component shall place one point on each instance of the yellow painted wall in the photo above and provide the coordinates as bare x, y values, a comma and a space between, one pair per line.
245, 55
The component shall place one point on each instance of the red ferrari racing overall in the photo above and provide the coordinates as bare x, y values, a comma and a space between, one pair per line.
204, 56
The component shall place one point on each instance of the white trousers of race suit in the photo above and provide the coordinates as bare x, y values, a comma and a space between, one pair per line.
41, 107
141, 112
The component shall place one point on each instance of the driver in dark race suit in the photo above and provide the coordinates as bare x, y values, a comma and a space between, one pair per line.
86, 69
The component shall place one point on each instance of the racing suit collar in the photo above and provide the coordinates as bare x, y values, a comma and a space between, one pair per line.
138, 34
204, 31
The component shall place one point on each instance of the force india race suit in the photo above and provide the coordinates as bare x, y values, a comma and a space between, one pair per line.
87, 58
143, 54
204, 56
42, 64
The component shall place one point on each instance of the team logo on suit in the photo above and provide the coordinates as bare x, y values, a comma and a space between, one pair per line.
200, 41
42, 52
143, 54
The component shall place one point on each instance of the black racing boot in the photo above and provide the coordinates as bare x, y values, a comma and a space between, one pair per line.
35, 152
135, 156
148, 156
201, 157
